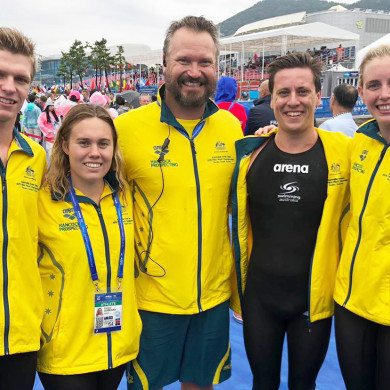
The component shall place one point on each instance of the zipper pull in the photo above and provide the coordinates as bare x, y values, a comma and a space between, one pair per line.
193, 145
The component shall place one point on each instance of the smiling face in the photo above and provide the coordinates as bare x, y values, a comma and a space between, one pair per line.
15, 78
190, 68
90, 150
375, 90
294, 99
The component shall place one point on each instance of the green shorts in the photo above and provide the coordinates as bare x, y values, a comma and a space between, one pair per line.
190, 348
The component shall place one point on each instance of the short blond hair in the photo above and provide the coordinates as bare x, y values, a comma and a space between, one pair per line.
376, 52
15, 42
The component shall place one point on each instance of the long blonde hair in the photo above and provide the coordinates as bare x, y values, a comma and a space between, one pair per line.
56, 177
376, 52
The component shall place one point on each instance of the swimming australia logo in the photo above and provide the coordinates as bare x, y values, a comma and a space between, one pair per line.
291, 168
289, 189
30, 172
220, 145
363, 155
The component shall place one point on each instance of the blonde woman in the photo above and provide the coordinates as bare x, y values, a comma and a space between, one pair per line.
91, 325
362, 292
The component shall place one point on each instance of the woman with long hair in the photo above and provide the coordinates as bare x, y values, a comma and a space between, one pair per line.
362, 292
49, 122
91, 325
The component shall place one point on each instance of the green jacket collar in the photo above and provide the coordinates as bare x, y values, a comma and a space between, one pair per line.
22, 143
247, 145
371, 129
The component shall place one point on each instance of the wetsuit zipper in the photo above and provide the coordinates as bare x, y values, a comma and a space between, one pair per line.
108, 264
360, 222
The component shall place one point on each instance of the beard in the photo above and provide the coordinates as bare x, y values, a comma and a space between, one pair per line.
190, 99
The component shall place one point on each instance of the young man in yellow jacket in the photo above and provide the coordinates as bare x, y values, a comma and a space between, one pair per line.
179, 156
22, 164
288, 194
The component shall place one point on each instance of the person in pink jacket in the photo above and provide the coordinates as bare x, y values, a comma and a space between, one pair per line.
48, 122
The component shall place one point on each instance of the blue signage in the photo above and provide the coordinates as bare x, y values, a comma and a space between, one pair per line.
323, 110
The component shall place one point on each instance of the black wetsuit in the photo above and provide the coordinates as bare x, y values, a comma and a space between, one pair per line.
286, 195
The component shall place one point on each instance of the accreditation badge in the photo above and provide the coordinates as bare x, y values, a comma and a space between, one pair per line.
108, 312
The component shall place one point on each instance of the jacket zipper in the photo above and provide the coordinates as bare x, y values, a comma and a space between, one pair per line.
199, 272
108, 264
360, 222
5, 264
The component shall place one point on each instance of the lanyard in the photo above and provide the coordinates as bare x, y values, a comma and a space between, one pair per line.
87, 241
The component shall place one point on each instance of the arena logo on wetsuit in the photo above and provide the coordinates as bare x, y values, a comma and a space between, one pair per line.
291, 168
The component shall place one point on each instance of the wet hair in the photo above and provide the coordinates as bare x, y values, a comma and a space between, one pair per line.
31, 97
295, 60
376, 52
15, 42
346, 95
56, 177
194, 23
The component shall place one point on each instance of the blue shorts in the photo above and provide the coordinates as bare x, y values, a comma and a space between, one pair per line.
191, 348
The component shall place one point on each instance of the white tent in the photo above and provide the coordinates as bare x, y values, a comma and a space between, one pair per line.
385, 40
288, 38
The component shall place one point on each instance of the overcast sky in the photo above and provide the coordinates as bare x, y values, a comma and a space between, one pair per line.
55, 24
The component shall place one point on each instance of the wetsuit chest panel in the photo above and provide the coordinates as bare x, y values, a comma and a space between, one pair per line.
286, 195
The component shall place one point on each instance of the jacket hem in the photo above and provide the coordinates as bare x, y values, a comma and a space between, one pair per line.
83, 369
194, 309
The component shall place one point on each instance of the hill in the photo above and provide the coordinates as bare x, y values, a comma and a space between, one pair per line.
270, 8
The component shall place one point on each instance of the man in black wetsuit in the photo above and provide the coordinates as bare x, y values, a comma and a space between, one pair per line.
296, 188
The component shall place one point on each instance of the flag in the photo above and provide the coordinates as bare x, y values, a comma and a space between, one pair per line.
142, 82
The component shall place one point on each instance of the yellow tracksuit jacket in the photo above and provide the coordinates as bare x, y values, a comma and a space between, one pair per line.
182, 240
363, 278
21, 306
69, 345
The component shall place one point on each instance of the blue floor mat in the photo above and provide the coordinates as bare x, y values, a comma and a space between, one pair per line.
329, 377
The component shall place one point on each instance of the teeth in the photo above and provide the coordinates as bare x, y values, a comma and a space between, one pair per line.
293, 113
384, 107
7, 101
92, 165
189, 84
